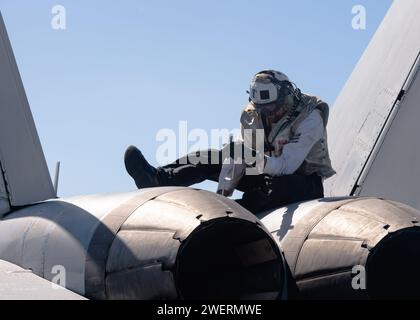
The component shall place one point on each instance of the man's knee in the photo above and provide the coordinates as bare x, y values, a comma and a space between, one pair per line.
282, 191
256, 201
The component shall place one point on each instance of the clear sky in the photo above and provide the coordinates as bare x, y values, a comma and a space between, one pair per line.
123, 70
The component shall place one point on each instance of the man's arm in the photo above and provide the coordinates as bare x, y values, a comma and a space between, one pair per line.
310, 131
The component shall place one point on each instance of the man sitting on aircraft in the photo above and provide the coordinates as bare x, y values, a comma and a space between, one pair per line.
282, 158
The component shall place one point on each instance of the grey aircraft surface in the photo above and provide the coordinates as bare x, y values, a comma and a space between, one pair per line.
184, 243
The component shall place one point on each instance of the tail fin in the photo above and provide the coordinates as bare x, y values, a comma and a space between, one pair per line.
24, 176
374, 125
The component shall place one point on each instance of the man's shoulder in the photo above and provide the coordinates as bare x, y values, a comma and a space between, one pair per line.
249, 107
315, 116
308, 98
248, 115
313, 121
322, 108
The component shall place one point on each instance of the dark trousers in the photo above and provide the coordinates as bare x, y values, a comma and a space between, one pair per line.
261, 192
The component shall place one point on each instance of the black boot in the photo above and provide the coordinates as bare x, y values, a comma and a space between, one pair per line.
144, 175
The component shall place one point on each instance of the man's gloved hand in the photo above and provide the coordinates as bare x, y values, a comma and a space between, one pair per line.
230, 176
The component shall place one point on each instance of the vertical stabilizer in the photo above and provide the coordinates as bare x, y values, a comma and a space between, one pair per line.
374, 129
24, 176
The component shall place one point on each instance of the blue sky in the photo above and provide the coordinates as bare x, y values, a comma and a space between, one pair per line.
123, 70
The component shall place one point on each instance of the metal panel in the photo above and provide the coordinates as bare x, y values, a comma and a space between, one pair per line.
320, 257
324, 239
134, 248
47, 235
176, 217
20, 284
140, 265
338, 283
363, 107
125, 285
56, 232
210, 204
98, 250
395, 172
21, 156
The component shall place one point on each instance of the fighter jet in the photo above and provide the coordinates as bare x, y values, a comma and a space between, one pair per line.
184, 243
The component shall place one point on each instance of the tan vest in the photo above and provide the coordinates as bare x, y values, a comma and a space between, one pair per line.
318, 159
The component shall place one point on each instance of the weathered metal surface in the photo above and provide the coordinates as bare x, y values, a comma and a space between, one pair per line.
366, 104
20, 284
394, 173
159, 243
324, 240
